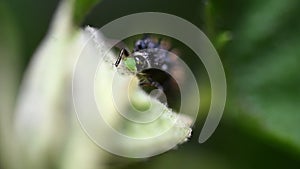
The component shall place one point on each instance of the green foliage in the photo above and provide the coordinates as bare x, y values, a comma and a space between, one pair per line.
258, 42
82, 7
262, 61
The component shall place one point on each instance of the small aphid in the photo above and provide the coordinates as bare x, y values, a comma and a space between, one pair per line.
128, 61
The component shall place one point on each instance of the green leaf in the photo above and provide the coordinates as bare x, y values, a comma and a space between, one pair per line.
9, 75
82, 7
263, 61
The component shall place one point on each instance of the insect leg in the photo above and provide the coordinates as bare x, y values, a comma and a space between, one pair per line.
122, 52
151, 83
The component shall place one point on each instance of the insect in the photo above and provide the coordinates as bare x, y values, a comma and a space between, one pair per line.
149, 60
129, 62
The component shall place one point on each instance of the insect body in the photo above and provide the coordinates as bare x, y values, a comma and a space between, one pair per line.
130, 64
148, 60
146, 54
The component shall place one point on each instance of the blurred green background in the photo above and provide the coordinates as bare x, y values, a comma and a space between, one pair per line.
259, 45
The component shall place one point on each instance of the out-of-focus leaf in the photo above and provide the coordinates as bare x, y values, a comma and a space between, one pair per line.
263, 61
46, 127
9, 81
